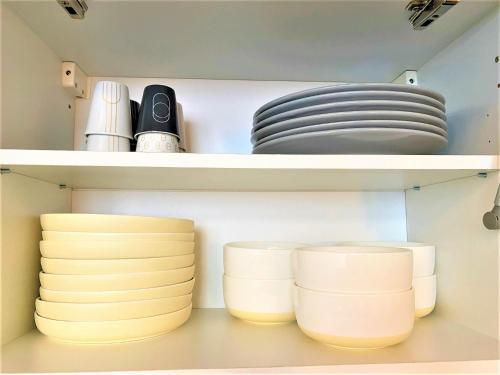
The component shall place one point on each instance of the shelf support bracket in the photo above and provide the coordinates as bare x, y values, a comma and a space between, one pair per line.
408, 77
75, 80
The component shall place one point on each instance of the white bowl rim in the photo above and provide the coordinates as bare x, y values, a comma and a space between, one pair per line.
265, 245
292, 280
430, 277
402, 244
354, 250
350, 294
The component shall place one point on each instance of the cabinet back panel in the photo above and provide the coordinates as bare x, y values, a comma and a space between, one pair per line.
449, 215
221, 217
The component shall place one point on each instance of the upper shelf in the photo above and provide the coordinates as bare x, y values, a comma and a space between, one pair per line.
224, 172
257, 40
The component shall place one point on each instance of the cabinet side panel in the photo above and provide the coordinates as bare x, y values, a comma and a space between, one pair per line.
23, 199
449, 215
37, 112
467, 75
222, 217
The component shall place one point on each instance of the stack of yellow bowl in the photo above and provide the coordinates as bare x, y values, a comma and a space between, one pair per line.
111, 278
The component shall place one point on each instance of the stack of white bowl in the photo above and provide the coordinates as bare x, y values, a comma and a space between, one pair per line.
354, 297
258, 281
111, 278
424, 277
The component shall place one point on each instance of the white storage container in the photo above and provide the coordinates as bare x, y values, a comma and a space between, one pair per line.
225, 60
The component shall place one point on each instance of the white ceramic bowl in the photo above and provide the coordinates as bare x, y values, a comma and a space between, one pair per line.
112, 331
357, 321
114, 223
119, 281
173, 290
425, 295
118, 249
424, 255
49, 235
107, 143
259, 260
351, 269
259, 301
90, 312
114, 266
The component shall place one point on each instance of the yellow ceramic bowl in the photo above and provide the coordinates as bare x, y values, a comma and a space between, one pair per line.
120, 281
51, 235
119, 249
112, 266
112, 331
114, 223
118, 295
82, 312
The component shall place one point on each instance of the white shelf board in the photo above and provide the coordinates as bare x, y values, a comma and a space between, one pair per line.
212, 339
224, 172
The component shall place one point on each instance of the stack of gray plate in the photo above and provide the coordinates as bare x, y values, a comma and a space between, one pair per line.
367, 118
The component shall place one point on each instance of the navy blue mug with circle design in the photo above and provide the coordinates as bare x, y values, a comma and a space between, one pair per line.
158, 111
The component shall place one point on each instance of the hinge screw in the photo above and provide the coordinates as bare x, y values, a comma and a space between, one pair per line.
5, 170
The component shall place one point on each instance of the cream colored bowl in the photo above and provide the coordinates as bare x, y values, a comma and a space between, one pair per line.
123, 281
425, 295
112, 266
112, 331
119, 249
114, 223
50, 235
353, 269
259, 301
357, 321
259, 260
118, 295
81, 312
424, 255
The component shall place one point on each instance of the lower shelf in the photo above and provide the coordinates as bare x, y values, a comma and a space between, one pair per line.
214, 340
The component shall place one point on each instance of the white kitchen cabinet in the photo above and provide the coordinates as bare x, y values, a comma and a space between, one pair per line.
225, 59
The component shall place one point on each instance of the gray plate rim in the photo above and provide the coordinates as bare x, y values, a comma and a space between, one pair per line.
337, 97
396, 124
351, 87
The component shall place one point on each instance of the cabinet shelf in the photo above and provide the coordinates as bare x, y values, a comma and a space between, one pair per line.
214, 340
225, 172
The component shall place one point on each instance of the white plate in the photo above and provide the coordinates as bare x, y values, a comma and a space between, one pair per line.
118, 249
114, 266
114, 223
351, 87
114, 330
49, 235
86, 312
356, 124
346, 116
111, 282
356, 141
173, 290
349, 96
357, 105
